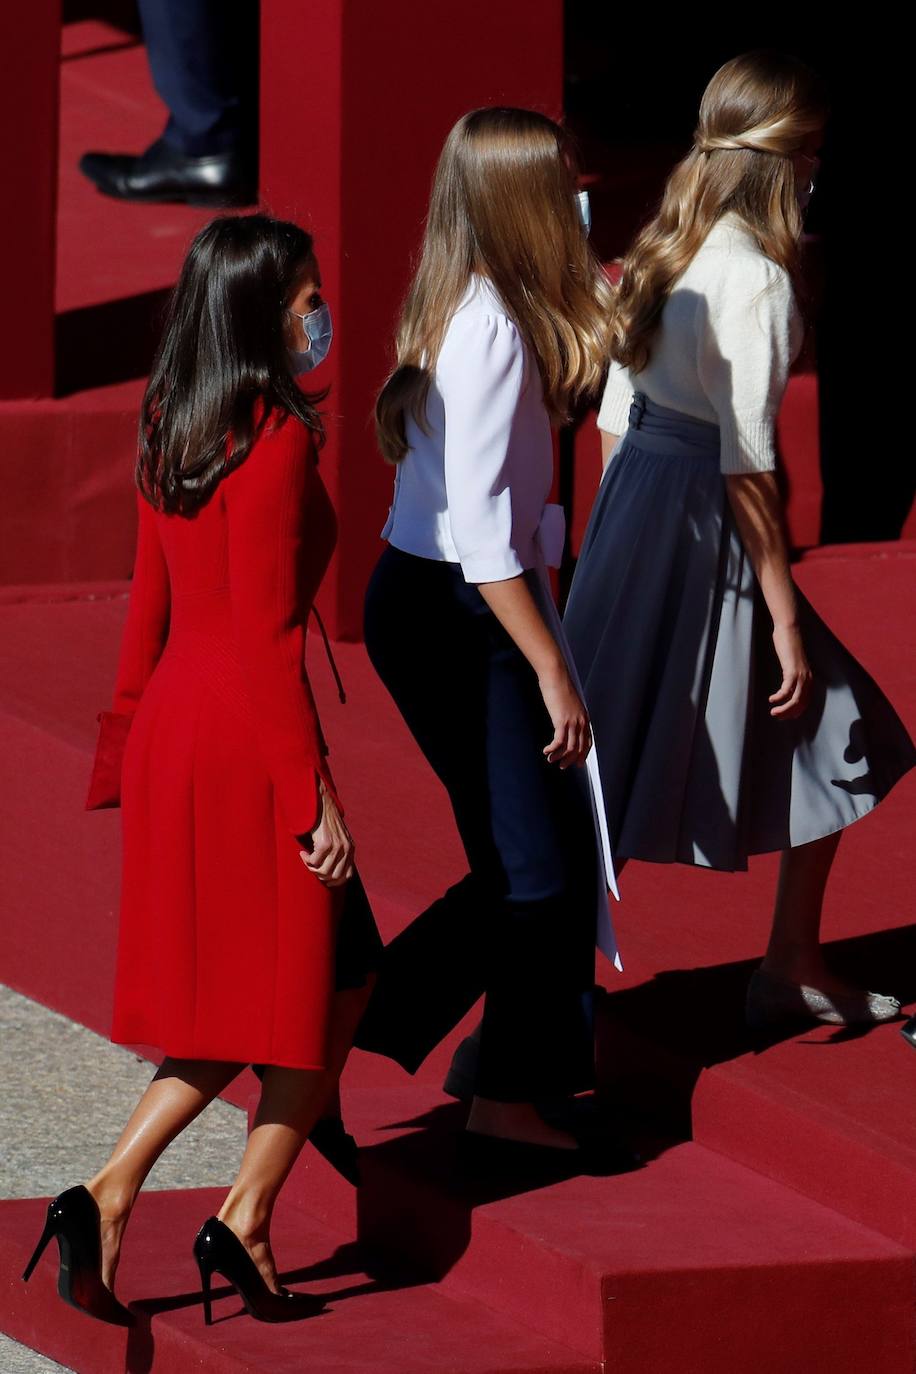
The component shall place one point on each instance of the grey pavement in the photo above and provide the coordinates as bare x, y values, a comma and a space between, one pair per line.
18, 1359
65, 1094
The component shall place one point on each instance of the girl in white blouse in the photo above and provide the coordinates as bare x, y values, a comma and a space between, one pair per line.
729, 720
504, 326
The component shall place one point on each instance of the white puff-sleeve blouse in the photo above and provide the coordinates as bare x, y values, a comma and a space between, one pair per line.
728, 334
474, 488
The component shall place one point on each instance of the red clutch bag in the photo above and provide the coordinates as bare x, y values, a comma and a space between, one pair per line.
105, 783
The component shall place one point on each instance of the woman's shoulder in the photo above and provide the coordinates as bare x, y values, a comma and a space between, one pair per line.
283, 444
480, 329
730, 249
283, 429
730, 271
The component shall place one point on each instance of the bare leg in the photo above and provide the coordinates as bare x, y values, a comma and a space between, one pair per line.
794, 951
290, 1105
291, 1102
178, 1093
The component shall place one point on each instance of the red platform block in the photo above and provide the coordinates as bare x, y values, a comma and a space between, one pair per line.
386, 1321
691, 1251
689, 942
359, 177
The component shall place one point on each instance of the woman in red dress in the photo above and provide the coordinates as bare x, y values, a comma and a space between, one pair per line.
238, 911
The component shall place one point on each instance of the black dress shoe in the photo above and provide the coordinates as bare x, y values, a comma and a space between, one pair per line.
908, 1031
162, 174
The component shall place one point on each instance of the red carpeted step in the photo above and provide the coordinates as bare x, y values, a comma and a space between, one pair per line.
689, 940
69, 513
66, 463
827, 1113
385, 1320
691, 1249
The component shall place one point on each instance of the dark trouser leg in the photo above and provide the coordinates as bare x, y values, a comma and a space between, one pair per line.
430, 977
537, 1033
473, 705
203, 55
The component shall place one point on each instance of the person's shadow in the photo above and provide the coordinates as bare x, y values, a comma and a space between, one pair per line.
348, 1262
655, 1040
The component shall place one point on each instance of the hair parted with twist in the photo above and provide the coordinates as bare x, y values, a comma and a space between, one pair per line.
503, 206
754, 117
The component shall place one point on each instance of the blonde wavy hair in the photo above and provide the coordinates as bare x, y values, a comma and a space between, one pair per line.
502, 205
754, 117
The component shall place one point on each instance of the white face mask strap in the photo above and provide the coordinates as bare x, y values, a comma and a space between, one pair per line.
585, 210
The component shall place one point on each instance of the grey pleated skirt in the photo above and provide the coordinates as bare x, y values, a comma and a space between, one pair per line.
673, 642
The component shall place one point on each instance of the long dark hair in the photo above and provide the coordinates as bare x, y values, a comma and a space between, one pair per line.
222, 368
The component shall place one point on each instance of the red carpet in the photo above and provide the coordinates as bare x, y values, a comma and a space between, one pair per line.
393, 1324
781, 1238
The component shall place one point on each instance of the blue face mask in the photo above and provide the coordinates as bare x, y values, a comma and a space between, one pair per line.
585, 210
319, 331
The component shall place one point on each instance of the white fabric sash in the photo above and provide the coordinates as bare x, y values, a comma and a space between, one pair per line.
550, 540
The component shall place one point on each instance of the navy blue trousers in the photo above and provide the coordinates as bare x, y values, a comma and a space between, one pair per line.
521, 926
203, 55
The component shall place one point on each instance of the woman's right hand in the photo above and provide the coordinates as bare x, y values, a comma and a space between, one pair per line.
572, 735
795, 690
332, 850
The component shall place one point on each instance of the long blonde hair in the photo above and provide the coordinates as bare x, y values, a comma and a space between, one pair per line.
754, 116
502, 205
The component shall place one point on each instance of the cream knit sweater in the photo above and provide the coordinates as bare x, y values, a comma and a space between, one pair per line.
729, 332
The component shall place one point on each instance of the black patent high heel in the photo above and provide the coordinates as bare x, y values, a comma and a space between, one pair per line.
73, 1218
218, 1250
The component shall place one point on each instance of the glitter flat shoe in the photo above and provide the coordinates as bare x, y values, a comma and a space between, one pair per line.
772, 1001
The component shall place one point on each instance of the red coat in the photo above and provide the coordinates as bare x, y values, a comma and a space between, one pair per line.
226, 946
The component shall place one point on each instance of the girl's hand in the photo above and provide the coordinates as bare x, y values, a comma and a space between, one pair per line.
331, 855
795, 691
572, 735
